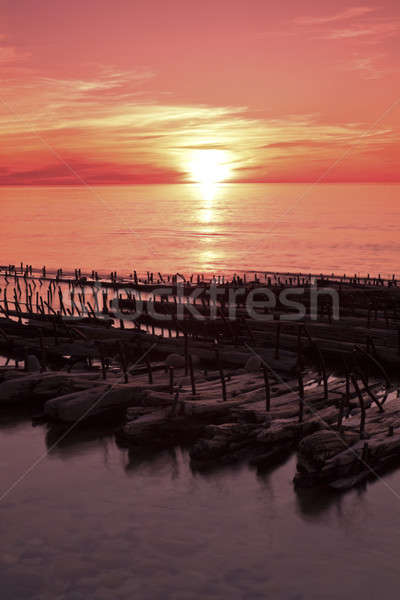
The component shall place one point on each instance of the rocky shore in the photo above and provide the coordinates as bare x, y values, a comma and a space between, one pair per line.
234, 390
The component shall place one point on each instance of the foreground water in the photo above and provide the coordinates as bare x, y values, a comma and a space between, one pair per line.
93, 521
188, 228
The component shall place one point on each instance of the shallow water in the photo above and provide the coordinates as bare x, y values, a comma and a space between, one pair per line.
94, 521
186, 228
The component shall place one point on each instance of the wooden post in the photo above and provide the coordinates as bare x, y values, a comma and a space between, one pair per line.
368, 390
105, 307
186, 346
277, 340
174, 404
362, 406
123, 361
192, 380
324, 374
321, 362
6, 305
267, 390
221, 374
300, 362
103, 361
347, 390
301, 396
149, 370
171, 379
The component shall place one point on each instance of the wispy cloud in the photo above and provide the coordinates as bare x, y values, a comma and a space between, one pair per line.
357, 29
359, 22
112, 139
107, 80
377, 31
9, 55
112, 126
368, 67
349, 13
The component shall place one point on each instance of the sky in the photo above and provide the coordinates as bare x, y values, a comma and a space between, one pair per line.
125, 92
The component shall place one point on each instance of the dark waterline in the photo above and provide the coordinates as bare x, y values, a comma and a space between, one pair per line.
94, 521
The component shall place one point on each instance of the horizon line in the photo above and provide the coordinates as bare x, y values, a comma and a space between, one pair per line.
292, 181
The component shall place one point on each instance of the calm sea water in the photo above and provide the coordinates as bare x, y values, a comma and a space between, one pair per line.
189, 228
93, 521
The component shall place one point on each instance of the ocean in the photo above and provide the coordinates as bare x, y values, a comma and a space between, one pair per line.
93, 521
188, 228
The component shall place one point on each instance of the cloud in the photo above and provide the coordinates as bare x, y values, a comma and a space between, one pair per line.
90, 173
108, 79
151, 142
349, 13
306, 143
363, 25
9, 55
368, 67
109, 129
374, 30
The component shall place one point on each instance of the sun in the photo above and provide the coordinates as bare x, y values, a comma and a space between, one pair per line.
209, 166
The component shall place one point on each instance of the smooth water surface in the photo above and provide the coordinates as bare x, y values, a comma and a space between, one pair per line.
94, 521
188, 228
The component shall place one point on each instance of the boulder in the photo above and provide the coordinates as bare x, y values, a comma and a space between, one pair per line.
32, 363
91, 402
253, 363
175, 360
18, 390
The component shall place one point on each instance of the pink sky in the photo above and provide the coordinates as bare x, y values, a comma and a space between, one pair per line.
125, 92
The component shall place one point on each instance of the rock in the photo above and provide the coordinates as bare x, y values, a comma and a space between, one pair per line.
253, 364
32, 363
321, 445
51, 385
90, 403
175, 360
79, 366
69, 407
134, 412
17, 390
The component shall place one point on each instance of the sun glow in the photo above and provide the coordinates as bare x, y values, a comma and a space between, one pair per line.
209, 167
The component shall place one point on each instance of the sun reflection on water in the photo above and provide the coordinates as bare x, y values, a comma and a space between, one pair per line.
207, 192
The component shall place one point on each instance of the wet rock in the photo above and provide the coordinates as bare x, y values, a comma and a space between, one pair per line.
52, 385
18, 390
175, 360
253, 364
90, 402
32, 363
220, 440
321, 445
